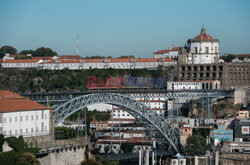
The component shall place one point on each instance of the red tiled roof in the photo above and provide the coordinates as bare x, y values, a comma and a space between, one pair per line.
133, 132
162, 51
43, 58
17, 55
169, 60
114, 60
242, 55
175, 49
93, 60
203, 36
147, 60
22, 61
69, 57
11, 102
98, 122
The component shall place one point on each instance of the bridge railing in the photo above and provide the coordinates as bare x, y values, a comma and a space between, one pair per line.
63, 142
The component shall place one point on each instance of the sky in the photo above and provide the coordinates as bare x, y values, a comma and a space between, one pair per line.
122, 27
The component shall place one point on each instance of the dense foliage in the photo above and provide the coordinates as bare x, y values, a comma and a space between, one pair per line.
20, 155
25, 52
66, 133
228, 58
99, 162
43, 52
196, 145
126, 147
24, 80
7, 49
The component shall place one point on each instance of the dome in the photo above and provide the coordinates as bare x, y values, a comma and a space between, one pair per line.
203, 35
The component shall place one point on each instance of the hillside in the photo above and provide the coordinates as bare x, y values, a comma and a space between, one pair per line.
60, 80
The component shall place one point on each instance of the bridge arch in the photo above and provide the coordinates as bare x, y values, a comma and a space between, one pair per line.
137, 109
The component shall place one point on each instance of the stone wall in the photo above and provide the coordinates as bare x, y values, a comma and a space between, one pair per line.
66, 157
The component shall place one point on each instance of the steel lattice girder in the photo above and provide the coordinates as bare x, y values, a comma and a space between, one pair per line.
65, 96
138, 110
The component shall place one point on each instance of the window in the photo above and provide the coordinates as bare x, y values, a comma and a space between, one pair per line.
206, 49
36, 117
26, 117
32, 117
10, 119
31, 130
16, 119
15, 131
10, 132
45, 116
195, 50
26, 130
21, 118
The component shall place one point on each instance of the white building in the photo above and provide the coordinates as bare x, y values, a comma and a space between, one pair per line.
241, 58
186, 85
192, 85
203, 49
21, 63
78, 63
21, 116
167, 53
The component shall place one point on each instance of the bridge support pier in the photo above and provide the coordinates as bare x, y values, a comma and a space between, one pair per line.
140, 157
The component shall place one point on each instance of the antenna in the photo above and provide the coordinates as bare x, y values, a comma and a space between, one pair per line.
77, 45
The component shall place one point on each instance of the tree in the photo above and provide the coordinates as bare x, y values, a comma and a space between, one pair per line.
24, 52
28, 158
90, 162
241, 58
42, 52
126, 147
130, 56
196, 145
1, 142
7, 49
228, 58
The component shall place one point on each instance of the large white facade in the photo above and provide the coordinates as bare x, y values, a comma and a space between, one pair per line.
25, 123
78, 63
21, 116
203, 49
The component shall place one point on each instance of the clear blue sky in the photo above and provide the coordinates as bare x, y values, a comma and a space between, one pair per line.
122, 27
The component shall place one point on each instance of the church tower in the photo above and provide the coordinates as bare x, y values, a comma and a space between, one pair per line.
203, 49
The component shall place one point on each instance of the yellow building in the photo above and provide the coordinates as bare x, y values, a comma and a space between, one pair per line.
242, 114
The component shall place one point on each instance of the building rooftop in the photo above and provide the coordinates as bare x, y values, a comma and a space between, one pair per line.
12, 102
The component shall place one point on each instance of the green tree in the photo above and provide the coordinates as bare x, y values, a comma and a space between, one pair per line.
7, 49
24, 52
41, 52
1, 142
90, 162
241, 58
196, 145
28, 158
130, 56
126, 147
228, 58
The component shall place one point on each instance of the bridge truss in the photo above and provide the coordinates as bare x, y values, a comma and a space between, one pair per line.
71, 102
65, 96
150, 119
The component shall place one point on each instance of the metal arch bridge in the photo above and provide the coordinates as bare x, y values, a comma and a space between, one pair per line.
161, 130
65, 96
